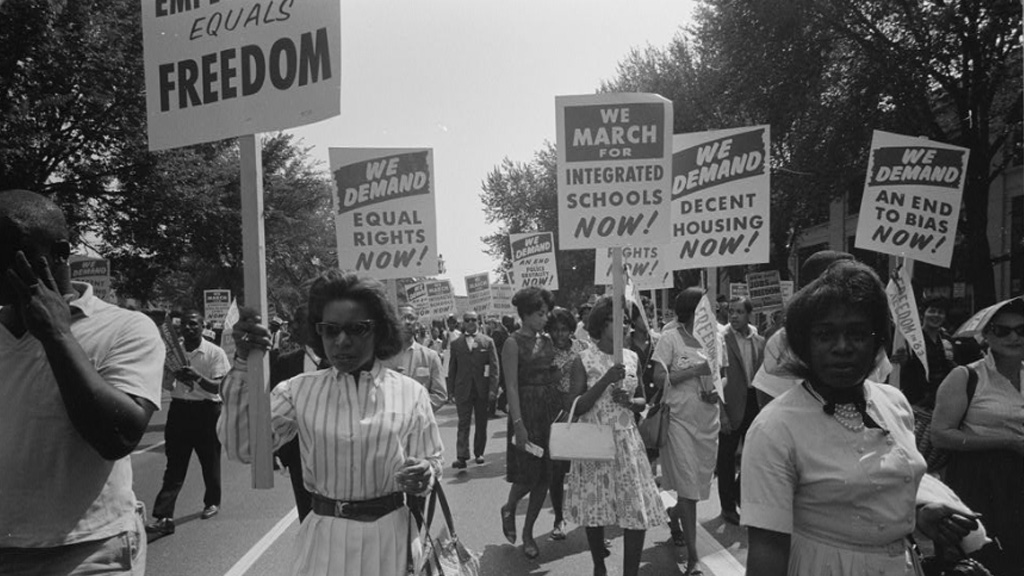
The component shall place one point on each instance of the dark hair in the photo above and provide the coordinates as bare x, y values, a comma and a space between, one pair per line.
190, 311
333, 285
1015, 306
817, 263
560, 316
530, 299
935, 302
848, 284
686, 303
508, 322
599, 317
33, 218
747, 304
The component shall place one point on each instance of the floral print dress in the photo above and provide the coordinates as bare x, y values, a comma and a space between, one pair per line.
621, 492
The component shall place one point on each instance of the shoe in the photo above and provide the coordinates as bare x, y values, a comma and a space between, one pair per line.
459, 464
508, 524
557, 533
210, 511
479, 460
530, 549
731, 516
160, 527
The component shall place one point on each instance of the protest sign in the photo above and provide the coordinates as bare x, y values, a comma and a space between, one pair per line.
911, 201
416, 296
478, 290
738, 290
643, 264
440, 299
215, 306
94, 271
533, 260
384, 211
216, 70
764, 290
705, 330
903, 306
501, 300
720, 198
614, 170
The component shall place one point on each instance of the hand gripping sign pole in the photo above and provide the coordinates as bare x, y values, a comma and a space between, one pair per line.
254, 251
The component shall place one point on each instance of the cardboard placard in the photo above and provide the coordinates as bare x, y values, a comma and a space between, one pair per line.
738, 290
215, 306
720, 198
93, 271
903, 306
533, 260
614, 170
644, 265
440, 299
384, 211
911, 202
501, 300
478, 290
764, 290
216, 70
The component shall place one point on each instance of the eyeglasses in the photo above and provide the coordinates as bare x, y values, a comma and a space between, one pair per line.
470, 320
410, 318
1000, 331
352, 329
830, 336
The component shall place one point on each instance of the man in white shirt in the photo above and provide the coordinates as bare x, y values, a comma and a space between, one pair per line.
81, 379
192, 424
417, 361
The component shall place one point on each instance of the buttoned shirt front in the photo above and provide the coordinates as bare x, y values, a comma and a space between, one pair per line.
211, 362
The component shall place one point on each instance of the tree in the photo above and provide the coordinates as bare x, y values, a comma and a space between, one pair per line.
523, 197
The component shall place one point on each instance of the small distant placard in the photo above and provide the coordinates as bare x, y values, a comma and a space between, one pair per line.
765, 291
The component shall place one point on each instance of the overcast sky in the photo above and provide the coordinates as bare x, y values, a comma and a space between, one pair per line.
476, 81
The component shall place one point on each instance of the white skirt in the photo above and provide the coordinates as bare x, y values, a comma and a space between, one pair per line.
339, 547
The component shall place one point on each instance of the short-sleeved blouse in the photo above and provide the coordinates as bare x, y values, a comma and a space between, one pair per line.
849, 494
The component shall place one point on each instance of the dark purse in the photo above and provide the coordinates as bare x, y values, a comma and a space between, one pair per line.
654, 426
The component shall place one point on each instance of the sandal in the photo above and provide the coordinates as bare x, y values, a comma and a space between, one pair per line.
693, 570
557, 533
508, 524
530, 549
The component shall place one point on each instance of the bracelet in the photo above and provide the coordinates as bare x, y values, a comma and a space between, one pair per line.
517, 421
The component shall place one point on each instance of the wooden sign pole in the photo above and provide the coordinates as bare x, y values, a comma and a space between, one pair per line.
618, 294
254, 252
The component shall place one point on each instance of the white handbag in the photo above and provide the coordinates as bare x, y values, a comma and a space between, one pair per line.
580, 440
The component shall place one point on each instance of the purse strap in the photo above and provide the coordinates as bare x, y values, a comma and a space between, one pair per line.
572, 411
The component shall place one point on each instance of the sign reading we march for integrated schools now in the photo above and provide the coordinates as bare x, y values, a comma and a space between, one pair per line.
533, 260
614, 170
911, 199
217, 69
720, 198
384, 211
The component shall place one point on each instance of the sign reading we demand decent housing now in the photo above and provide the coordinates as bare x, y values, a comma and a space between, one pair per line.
911, 199
614, 170
384, 211
720, 198
217, 69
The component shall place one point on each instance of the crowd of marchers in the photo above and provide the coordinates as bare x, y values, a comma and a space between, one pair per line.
830, 467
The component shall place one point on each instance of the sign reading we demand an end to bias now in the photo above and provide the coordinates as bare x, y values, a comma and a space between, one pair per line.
533, 260
720, 198
217, 69
912, 197
384, 211
614, 170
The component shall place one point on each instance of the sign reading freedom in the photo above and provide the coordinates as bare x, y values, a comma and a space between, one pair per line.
216, 70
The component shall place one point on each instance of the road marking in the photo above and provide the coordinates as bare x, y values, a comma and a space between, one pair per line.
149, 448
254, 553
718, 560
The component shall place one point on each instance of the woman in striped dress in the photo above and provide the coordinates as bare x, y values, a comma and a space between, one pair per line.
367, 434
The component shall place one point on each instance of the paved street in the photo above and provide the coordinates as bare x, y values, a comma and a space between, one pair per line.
254, 532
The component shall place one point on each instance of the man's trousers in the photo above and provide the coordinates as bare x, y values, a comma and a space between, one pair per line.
474, 407
191, 425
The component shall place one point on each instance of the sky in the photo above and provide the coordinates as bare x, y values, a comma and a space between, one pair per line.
476, 81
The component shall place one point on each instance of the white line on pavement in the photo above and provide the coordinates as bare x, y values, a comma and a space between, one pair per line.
149, 448
254, 553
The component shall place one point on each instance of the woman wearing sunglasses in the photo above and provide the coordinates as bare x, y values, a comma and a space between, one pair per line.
986, 436
367, 434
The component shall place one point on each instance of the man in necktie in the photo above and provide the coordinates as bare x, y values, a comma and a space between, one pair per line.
473, 374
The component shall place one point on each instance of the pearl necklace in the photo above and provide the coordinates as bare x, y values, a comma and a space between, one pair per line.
848, 416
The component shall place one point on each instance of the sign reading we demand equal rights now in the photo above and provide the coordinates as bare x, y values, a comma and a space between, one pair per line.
384, 211
720, 198
533, 260
614, 170
217, 69
911, 199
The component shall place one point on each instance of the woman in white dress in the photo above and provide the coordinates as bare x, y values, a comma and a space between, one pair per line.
367, 434
830, 470
691, 449
621, 492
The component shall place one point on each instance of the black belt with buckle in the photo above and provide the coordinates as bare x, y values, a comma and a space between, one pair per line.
358, 510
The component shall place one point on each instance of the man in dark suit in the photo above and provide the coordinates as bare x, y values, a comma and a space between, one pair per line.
499, 334
473, 379
283, 367
745, 351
